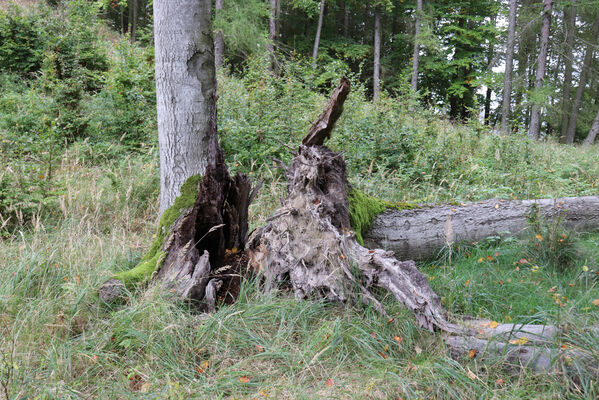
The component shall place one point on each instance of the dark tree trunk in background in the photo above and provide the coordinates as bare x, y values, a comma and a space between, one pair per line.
272, 31
535, 117
509, 63
345, 19
318, 31
526, 44
570, 26
133, 16
376, 82
416, 54
185, 92
582, 83
219, 39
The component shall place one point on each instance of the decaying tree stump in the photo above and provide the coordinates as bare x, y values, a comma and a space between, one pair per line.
198, 251
309, 242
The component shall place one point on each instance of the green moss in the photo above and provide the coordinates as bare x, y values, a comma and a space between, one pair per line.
152, 260
364, 208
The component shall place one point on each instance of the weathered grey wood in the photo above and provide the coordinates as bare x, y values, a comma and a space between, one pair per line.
322, 127
308, 244
421, 233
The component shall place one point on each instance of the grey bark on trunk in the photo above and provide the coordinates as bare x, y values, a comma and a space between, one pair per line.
570, 20
535, 117
423, 232
376, 82
185, 91
416, 54
582, 83
509, 63
318, 32
590, 139
219, 38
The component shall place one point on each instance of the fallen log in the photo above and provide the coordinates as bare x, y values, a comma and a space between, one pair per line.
420, 233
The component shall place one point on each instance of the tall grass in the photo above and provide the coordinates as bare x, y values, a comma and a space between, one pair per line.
58, 341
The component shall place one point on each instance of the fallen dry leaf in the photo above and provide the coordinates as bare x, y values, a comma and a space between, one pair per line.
472, 353
595, 302
397, 339
244, 379
493, 324
329, 382
418, 350
259, 348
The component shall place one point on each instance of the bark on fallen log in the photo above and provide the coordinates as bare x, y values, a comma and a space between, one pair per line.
422, 232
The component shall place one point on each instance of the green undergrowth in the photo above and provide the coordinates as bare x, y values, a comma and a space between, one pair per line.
155, 255
500, 279
364, 208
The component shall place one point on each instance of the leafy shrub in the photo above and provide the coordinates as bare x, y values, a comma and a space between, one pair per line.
22, 41
125, 110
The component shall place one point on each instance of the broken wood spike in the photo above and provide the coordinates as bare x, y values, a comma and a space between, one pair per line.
321, 129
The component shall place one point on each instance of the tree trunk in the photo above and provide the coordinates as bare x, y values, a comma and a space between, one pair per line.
570, 22
509, 63
416, 54
590, 139
345, 20
318, 31
133, 12
185, 91
422, 232
197, 254
219, 39
376, 83
278, 20
535, 118
272, 31
582, 83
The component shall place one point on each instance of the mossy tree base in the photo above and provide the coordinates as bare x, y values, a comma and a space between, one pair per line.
196, 237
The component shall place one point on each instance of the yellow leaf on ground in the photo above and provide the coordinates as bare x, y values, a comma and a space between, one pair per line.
493, 324
520, 341
539, 237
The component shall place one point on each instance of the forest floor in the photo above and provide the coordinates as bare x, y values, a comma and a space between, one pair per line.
57, 341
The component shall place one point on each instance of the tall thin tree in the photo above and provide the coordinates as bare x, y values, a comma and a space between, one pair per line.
535, 118
318, 32
570, 27
185, 92
582, 83
376, 81
416, 56
509, 64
